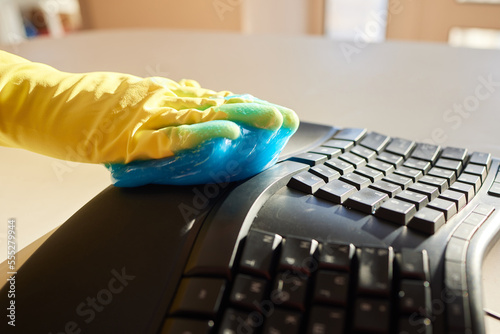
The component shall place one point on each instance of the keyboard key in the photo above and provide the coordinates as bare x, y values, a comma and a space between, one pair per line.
484, 209
384, 167
306, 182
455, 276
364, 152
353, 159
417, 199
259, 252
247, 291
421, 165
198, 296
427, 220
402, 181
390, 189
356, 180
343, 145
331, 287
426, 152
325, 320
475, 180
459, 198
438, 182
340, 166
326, 173
494, 189
312, 159
454, 165
413, 174
449, 208
330, 152
372, 315
396, 211
476, 170
415, 297
465, 231
354, 134
290, 290
390, 158
458, 312
375, 141
479, 158
456, 250
430, 191
454, 153
475, 219
401, 147
366, 200
447, 174
235, 321
282, 322
186, 326
375, 271
373, 174
335, 256
467, 189
336, 191
298, 255
414, 264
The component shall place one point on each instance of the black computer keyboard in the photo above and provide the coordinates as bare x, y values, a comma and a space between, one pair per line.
351, 232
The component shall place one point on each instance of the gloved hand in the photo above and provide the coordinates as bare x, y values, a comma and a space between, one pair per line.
146, 130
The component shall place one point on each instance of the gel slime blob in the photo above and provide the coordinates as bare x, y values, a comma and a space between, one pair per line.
144, 130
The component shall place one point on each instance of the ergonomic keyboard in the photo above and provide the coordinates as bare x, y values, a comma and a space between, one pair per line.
350, 232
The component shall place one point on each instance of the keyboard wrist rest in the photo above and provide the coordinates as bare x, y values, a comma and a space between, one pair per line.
120, 231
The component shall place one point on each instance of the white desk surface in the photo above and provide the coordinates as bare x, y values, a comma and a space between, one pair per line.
396, 88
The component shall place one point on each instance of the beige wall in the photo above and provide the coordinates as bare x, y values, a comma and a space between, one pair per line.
249, 16
283, 16
195, 14
431, 20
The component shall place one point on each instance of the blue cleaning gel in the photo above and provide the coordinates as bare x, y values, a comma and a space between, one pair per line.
214, 161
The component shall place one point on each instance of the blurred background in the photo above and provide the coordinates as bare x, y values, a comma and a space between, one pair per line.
467, 23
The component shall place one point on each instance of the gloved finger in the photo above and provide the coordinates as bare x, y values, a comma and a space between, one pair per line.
187, 88
290, 118
165, 142
199, 92
261, 116
253, 114
193, 92
189, 83
174, 111
166, 117
180, 103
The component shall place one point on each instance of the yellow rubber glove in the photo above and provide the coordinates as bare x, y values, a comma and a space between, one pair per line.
106, 117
